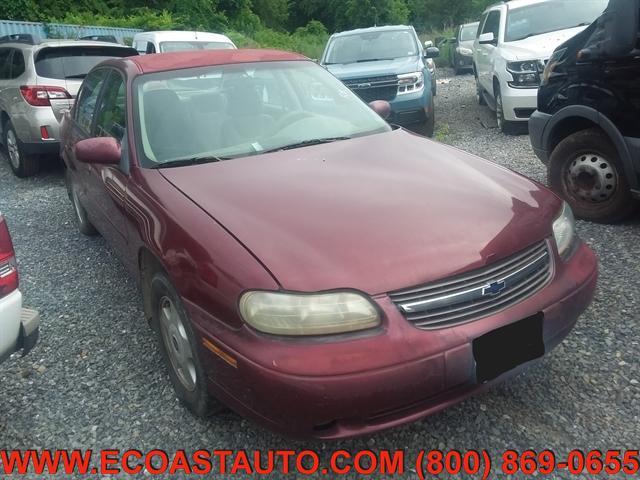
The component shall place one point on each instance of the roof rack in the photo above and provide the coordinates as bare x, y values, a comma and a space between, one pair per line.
20, 38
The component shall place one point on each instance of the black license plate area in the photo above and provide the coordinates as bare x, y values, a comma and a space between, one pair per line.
507, 347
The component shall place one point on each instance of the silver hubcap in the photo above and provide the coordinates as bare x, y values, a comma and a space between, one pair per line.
12, 149
592, 178
76, 205
177, 344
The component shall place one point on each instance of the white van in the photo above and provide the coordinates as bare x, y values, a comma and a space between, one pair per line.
177, 41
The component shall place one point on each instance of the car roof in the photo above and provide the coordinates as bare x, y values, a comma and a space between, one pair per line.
161, 62
515, 4
179, 35
61, 43
372, 29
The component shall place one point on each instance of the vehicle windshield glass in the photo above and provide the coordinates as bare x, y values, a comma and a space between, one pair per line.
73, 61
551, 16
180, 46
371, 46
468, 33
246, 109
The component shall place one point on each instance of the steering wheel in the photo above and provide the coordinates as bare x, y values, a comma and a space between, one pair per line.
291, 117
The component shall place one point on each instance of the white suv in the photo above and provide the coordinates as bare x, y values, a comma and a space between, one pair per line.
18, 326
515, 40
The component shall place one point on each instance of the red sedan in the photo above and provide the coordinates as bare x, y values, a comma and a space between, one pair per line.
302, 261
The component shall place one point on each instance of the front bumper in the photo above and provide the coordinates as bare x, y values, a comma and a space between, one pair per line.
339, 389
412, 108
463, 61
537, 125
518, 103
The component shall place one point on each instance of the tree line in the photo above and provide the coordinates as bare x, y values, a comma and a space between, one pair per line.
248, 16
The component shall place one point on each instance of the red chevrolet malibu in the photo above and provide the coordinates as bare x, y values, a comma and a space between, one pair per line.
302, 261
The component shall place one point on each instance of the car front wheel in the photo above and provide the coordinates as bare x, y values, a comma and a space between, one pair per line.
586, 170
179, 347
505, 126
22, 165
84, 224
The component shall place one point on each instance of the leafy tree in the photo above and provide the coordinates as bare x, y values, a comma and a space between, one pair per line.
273, 13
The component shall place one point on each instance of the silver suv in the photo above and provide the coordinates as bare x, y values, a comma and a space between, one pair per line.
38, 82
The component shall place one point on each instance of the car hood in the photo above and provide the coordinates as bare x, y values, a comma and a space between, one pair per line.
375, 213
539, 46
396, 66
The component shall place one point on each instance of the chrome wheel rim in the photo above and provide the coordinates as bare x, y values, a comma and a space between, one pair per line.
591, 178
12, 149
76, 206
177, 344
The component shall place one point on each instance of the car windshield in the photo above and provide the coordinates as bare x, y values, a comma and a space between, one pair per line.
180, 46
551, 16
223, 112
468, 33
372, 46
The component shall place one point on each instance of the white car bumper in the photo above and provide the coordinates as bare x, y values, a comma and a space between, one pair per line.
19, 326
518, 103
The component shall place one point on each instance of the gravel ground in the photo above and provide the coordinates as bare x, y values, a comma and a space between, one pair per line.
97, 381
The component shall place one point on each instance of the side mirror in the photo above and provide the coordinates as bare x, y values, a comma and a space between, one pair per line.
381, 107
432, 52
487, 39
99, 150
428, 44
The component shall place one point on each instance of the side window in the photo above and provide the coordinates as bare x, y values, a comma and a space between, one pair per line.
151, 48
5, 65
111, 111
88, 96
17, 64
492, 24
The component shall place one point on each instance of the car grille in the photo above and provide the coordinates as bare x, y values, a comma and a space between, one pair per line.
479, 293
374, 88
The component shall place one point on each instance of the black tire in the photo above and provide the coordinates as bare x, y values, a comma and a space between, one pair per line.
479, 92
598, 190
427, 128
82, 219
196, 397
434, 86
21, 164
505, 126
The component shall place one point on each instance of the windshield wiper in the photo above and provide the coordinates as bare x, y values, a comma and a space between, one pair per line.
79, 75
183, 162
305, 143
373, 60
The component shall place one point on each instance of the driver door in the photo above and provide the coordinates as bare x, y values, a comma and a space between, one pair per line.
108, 183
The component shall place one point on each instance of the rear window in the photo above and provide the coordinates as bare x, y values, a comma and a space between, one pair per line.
75, 62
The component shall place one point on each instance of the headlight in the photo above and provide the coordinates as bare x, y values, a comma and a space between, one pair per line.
564, 230
410, 82
525, 74
308, 314
465, 51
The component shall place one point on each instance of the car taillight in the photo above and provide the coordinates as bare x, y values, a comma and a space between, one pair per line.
41, 95
8, 266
